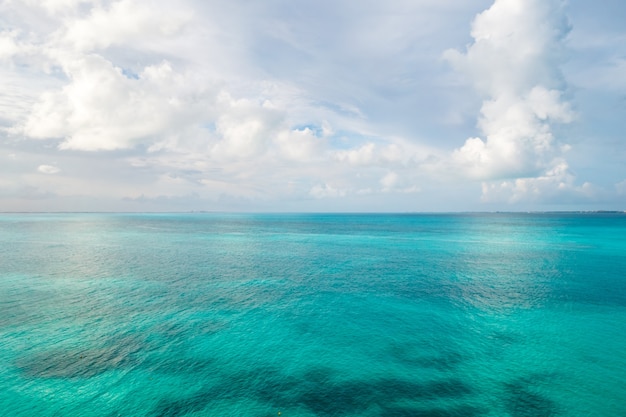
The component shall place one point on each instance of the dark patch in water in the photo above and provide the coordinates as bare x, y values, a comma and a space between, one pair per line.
452, 388
317, 391
86, 363
260, 383
521, 401
461, 411
175, 408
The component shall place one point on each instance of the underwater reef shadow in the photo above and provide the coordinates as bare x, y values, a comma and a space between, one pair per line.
323, 395
522, 401
458, 411
117, 353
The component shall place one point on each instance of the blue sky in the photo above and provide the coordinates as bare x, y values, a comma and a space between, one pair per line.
282, 105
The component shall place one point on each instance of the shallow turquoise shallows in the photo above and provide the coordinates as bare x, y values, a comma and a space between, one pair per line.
313, 315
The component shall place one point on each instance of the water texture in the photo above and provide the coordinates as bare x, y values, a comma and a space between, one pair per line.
313, 315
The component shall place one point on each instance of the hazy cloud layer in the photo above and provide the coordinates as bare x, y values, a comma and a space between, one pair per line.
421, 105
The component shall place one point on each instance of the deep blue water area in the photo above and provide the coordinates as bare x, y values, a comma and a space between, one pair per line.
308, 315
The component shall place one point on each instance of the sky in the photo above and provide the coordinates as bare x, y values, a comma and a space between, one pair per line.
312, 106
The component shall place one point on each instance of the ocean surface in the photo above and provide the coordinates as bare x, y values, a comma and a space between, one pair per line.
304, 315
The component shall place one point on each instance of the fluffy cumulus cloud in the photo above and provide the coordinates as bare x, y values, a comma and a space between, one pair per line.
102, 109
514, 63
202, 105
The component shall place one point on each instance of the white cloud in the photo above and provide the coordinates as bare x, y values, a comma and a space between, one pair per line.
125, 21
53, 7
514, 64
363, 155
555, 184
48, 169
393, 151
8, 45
245, 128
393, 182
301, 145
102, 109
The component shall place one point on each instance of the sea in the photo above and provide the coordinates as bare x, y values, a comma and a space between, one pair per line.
285, 315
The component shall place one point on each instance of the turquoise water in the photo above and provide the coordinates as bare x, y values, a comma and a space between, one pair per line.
313, 315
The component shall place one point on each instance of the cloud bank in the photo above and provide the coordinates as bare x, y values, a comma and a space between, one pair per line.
233, 106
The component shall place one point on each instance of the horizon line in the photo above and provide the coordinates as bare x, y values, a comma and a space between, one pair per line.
323, 212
